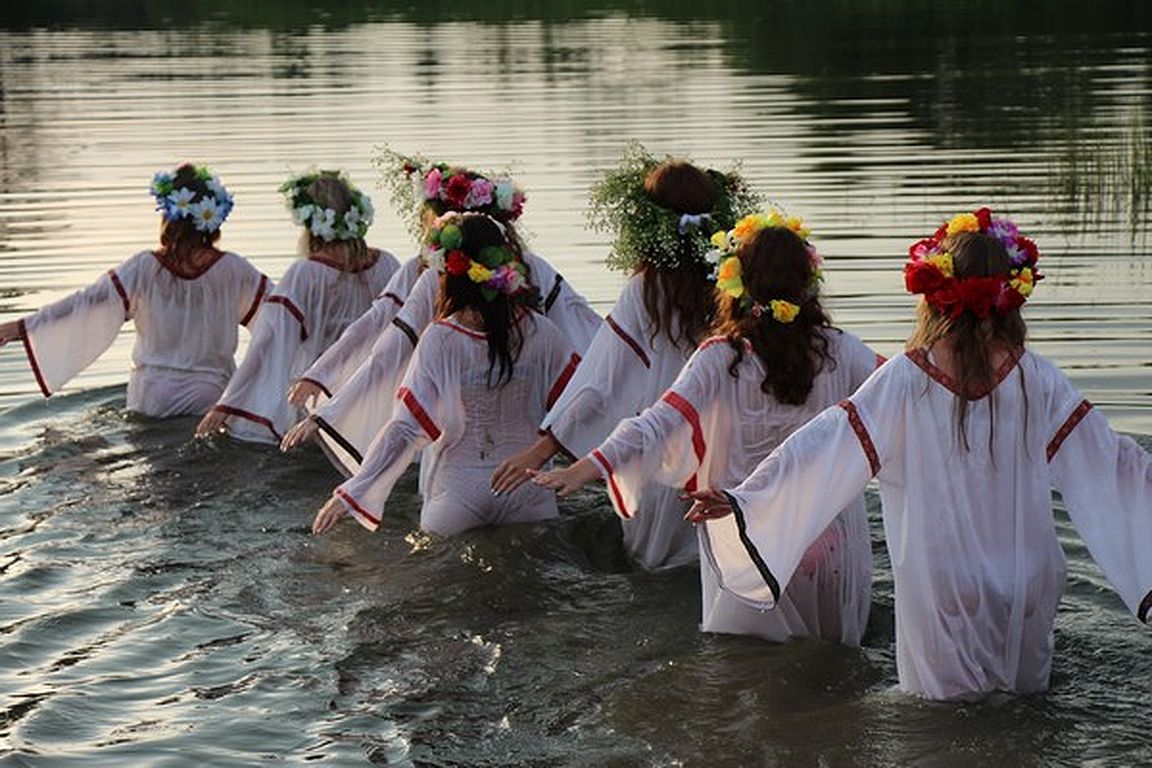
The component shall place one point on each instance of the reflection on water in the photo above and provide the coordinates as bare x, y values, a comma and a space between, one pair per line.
160, 599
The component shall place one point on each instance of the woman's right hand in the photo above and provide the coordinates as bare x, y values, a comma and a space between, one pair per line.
304, 430
303, 390
331, 513
9, 331
515, 470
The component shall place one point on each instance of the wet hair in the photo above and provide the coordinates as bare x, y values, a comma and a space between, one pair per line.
500, 314
679, 299
776, 265
179, 237
973, 340
330, 191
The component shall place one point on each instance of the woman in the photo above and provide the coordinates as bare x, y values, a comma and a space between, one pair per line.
661, 213
967, 433
774, 362
480, 380
359, 408
318, 297
186, 299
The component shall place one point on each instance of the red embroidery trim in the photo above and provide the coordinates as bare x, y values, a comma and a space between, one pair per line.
462, 329
359, 511
119, 286
688, 411
260, 289
880, 359
862, 435
23, 331
174, 269
631, 342
920, 358
293, 310
562, 381
616, 495
418, 411
1074, 418
262, 421
375, 256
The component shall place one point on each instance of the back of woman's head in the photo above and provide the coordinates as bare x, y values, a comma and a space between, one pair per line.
334, 217
778, 312
180, 235
484, 273
681, 187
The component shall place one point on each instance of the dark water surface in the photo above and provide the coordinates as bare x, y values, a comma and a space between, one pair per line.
161, 602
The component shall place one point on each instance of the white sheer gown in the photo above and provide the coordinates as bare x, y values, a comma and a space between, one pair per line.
977, 565
357, 411
311, 306
186, 330
711, 428
444, 404
623, 372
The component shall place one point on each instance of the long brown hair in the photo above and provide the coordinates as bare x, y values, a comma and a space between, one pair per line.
679, 300
500, 313
973, 340
179, 238
776, 265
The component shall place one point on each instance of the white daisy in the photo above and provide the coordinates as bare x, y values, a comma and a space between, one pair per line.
301, 215
206, 214
180, 202
324, 225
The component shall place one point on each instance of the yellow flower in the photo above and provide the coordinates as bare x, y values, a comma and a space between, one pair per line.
729, 269
732, 286
479, 273
720, 239
748, 226
942, 262
783, 311
796, 224
964, 222
1023, 281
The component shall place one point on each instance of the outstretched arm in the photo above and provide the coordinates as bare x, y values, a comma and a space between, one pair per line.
569, 479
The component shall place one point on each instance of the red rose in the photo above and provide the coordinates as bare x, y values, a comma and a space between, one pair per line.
984, 216
1028, 247
978, 294
457, 263
456, 190
1007, 300
922, 277
946, 299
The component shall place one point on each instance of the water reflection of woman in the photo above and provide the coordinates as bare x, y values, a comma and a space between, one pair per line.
480, 379
774, 362
967, 433
662, 212
185, 298
318, 297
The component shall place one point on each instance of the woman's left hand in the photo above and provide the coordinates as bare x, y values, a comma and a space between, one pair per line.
214, 421
708, 504
331, 513
9, 331
568, 480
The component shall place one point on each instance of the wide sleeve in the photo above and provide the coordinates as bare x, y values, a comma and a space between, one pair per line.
666, 443
563, 305
416, 422
255, 397
358, 410
66, 336
1105, 480
610, 383
332, 370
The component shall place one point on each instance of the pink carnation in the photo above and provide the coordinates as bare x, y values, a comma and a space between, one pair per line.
432, 184
479, 194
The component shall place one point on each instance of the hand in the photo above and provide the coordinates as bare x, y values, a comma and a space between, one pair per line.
9, 331
303, 430
568, 480
331, 513
214, 421
514, 470
303, 390
708, 504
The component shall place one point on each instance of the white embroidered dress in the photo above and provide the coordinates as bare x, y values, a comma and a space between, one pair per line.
977, 565
445, 404
312, 304
712, 429
623, 372
186, 330
357, 411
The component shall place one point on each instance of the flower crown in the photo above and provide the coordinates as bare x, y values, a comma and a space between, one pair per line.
647, 233
729, 272
497, 268
324, 222
207, 211
929, 270
415, 182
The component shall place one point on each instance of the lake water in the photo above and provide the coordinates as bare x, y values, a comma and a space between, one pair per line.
161, 602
